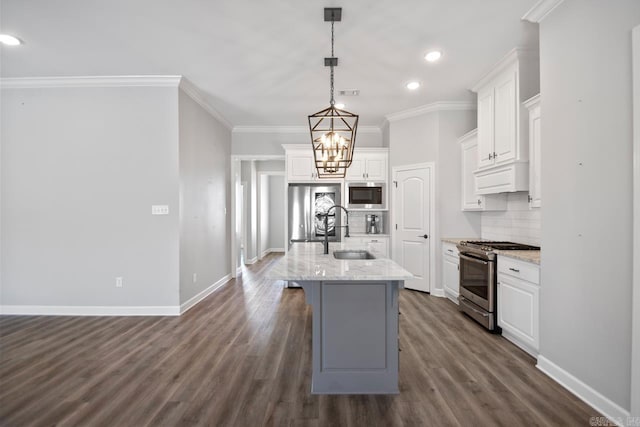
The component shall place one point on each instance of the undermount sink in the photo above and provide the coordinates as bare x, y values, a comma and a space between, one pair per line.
352, 254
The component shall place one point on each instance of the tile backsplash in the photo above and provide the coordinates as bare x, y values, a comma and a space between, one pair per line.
517, 224
358, 221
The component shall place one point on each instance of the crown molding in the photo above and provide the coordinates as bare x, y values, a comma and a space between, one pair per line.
540, 10
89, 81
115, 81
468, 135
430, 108
293, 129
531, 101
194, 93
509, 59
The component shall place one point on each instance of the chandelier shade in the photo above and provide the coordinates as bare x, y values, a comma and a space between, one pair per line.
333, 131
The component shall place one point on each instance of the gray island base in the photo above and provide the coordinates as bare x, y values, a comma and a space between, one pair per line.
355, 318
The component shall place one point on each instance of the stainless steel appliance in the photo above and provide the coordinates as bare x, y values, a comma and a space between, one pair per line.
366, 195
307, 205
373, 224
478, 290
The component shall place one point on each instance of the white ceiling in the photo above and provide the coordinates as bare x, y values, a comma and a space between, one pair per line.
260, 63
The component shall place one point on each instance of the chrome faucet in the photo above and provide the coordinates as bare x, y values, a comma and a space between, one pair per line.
326, 227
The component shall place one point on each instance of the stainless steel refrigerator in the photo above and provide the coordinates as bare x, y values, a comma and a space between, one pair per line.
306, 203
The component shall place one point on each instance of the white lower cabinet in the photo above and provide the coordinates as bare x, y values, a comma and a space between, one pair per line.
450, 271
519, 303
378, 246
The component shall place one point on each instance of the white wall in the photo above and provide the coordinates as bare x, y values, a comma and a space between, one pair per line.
433, 137
518, 223
270, 165
585, 306
248, 176
276, 212
270, 143
81, 168
205, 226
263, 224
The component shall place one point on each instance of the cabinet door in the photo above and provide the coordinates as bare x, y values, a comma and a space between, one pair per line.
535, 200
378, 247
356, 172
451, 277
470, 201
300, 166
518, 310
376, 167
485, 128
505, 108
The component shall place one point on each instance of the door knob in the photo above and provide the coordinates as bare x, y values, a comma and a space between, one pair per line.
424, 236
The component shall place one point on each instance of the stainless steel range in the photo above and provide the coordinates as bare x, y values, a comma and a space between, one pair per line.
478, 289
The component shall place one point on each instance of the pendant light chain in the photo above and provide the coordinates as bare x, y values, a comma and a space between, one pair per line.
332, 38
333, 131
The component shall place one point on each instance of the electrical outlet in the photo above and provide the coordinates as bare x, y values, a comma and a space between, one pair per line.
160, 210
195, 277
118, 282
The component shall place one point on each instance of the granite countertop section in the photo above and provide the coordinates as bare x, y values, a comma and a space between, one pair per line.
306, 261
528, 256
456, 240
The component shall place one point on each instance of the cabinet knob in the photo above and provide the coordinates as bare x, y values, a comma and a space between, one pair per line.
490, 155
479, 202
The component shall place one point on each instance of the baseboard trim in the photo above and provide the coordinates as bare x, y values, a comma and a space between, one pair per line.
270, 250
438, 293
251, 260
87, 310
591, 397
203, 294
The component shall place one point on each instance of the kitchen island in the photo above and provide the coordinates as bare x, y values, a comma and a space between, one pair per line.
355, 317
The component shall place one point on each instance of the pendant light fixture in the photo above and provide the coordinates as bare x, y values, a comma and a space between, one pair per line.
333, 130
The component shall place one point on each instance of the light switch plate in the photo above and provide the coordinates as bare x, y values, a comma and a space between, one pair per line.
160, 210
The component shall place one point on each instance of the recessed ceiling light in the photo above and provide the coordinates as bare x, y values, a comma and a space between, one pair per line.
340, 106
413, 85
9, 40
433, 56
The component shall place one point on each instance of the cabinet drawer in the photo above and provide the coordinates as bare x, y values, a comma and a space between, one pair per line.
520, 269
449, 249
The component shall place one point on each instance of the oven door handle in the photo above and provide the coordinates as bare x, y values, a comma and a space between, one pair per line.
466, 304
472, 259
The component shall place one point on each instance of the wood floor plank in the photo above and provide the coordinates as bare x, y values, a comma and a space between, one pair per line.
242, 357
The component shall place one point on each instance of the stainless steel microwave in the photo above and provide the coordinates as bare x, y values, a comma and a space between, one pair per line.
366, 195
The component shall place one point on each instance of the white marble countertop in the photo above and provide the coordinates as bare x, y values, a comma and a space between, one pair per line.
528, 256
306, 261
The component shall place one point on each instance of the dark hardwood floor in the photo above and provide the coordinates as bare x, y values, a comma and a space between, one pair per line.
242, 357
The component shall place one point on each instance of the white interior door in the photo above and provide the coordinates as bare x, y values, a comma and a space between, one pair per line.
412, 214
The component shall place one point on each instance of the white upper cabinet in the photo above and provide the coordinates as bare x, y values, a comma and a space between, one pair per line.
503, 151
470, 200
300, 167
505, 136
369, 164
535, 195
485, 128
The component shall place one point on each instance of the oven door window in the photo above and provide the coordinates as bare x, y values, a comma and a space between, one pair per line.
474, 276
365, 195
